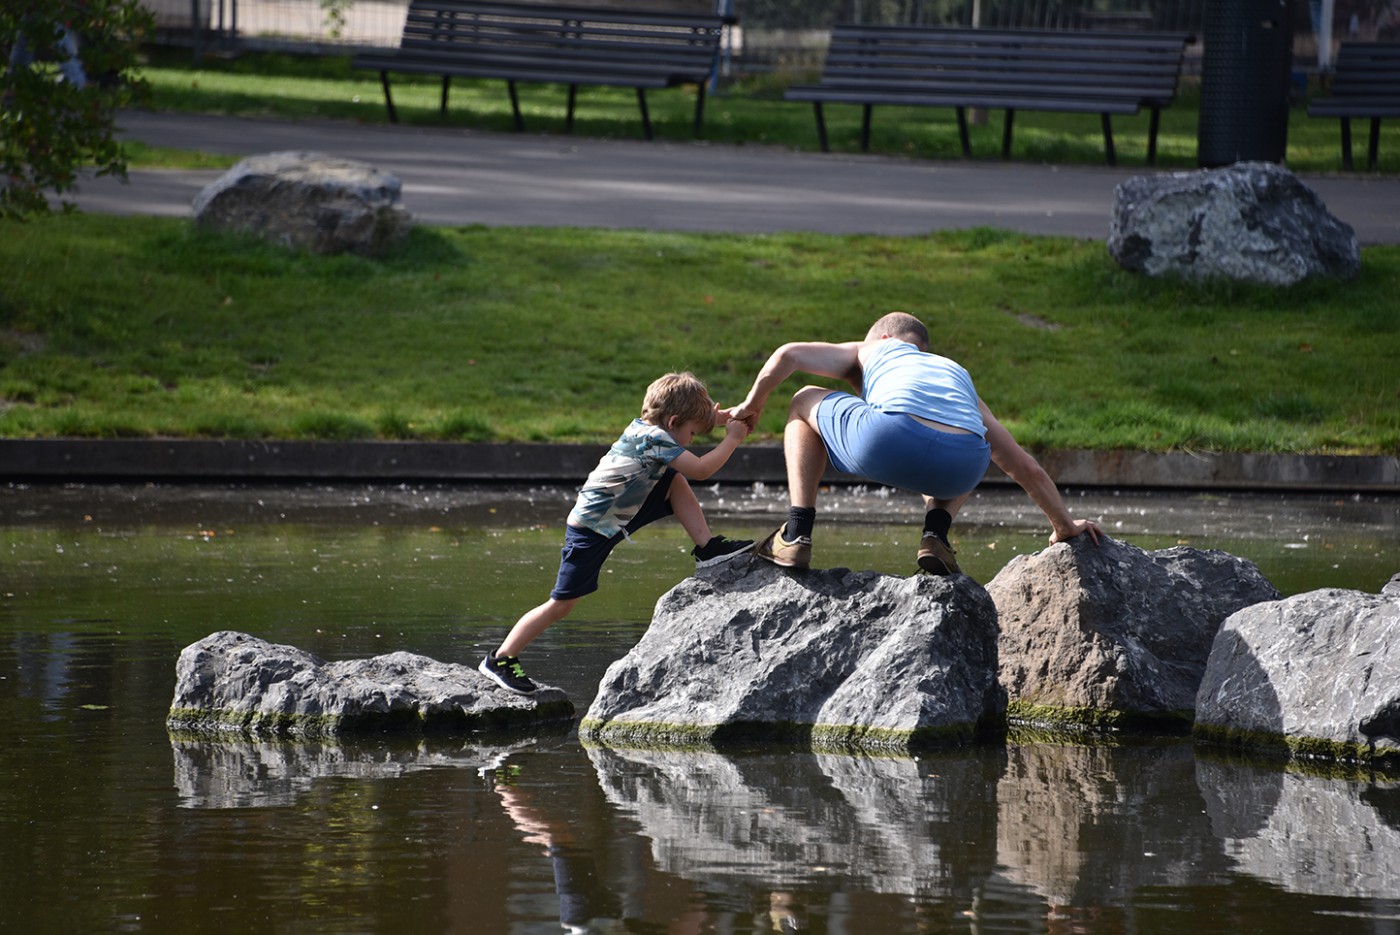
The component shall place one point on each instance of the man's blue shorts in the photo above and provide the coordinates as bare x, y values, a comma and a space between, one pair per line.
895, 450
585, 551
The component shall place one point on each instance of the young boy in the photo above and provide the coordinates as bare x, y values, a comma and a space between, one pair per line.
643, 477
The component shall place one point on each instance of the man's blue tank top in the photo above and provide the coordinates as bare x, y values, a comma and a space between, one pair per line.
898, 377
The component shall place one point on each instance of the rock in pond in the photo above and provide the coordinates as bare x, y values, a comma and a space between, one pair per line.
1114, 636
838, 659
1316, 675
234, 683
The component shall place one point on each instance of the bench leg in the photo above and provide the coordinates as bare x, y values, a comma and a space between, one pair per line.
515, 106
1006, 133
388, 98
642, 105
962, 132
446, 82
1346, 143
1152, 135
821, 126
1109, 154
1374, 144
699, 109
569, 118
865, 129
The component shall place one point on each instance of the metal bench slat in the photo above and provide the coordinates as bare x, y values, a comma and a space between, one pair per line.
569, 45
1366, 86
1074, 71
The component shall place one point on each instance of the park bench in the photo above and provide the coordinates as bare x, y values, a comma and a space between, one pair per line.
535, 43
1366, 84
1086, 71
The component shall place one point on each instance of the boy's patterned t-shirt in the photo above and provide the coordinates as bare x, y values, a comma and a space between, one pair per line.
619, 485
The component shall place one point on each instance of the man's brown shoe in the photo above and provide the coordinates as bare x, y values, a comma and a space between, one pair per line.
937, 557
787, 554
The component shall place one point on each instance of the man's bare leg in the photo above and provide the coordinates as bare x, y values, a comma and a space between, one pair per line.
936, 554
804, 452
803, 448
951, 506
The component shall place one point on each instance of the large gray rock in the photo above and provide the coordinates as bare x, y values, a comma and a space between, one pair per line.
1253, 222
1314, 675
1111, 635
837, 658
308, 201
233, 683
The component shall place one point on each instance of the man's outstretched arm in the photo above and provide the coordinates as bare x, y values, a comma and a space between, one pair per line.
1018, 465
820, 359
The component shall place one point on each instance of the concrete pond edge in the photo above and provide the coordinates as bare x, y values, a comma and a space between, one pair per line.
70, 460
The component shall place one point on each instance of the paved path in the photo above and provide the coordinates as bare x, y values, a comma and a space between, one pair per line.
453, 177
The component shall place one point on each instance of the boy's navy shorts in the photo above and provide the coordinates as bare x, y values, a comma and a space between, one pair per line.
585, 551
894, 450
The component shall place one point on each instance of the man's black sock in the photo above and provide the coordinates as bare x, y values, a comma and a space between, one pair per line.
937, 522
801, 519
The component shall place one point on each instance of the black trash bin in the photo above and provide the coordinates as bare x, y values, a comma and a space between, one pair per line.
1246, 71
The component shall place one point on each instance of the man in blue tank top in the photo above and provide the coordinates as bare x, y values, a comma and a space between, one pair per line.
916, 424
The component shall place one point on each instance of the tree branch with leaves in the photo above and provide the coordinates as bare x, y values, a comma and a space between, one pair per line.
68, 69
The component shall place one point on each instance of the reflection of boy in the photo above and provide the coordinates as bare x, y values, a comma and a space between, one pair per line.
585, 902
641, 479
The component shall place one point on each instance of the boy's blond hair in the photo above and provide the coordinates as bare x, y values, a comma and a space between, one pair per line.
681, 395
900, 325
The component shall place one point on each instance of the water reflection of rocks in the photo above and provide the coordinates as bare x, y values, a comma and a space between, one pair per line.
1029, 830
1090, 825
1075, 828
241, 773
883, 825
1303, 833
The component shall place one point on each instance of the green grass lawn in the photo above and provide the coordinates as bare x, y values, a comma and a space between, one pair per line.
130, 327
134, 327
273, 85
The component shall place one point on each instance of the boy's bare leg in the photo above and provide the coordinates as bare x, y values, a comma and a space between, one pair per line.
688, 513
533, 623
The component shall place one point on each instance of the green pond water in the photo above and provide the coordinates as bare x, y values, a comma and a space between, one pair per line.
110, 824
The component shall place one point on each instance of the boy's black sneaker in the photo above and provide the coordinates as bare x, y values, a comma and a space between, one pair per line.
719, 550
507, 672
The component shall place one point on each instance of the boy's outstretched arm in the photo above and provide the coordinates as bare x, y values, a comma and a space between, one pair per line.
699, 467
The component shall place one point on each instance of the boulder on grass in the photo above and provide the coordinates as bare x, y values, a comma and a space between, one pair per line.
308, 201
233, 683
1111, 635
1251, 222
835, 658
1315, 675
